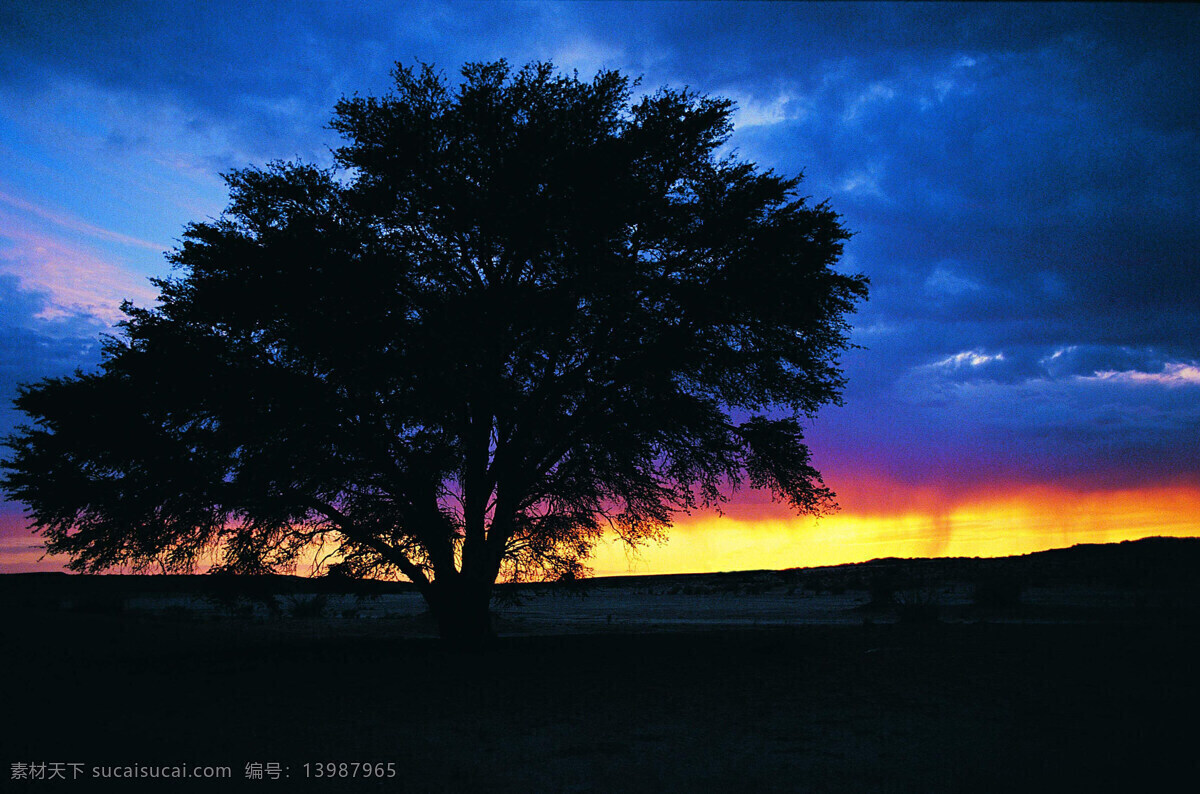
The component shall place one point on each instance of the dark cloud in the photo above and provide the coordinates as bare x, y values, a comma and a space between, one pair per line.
1023, 181
32, 348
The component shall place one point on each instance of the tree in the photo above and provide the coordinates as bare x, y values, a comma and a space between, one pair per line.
519, 311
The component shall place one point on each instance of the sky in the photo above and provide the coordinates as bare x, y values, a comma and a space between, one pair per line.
1022, 181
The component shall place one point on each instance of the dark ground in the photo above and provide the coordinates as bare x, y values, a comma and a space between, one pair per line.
922, 708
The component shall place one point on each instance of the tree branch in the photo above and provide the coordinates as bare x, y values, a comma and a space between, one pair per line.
392, 555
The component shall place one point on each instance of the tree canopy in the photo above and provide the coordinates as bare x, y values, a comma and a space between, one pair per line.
521, 310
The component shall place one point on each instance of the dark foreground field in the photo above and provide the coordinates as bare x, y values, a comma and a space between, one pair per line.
941, 707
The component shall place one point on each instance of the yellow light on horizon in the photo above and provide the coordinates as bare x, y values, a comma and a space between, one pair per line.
897, 523
1031, 520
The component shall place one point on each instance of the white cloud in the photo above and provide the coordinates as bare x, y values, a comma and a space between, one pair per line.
588, 57
1118, 365
755, 112
968, 358
864, 181
1173, 374
874, 94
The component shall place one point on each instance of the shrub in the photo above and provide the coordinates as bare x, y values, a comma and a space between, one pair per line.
307, 607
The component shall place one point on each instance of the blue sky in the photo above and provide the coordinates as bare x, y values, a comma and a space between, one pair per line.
1023, 183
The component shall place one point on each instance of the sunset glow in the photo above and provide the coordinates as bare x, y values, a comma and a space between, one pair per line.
1031, 520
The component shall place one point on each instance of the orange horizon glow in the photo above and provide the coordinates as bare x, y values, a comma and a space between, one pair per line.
1029, 520
874, 522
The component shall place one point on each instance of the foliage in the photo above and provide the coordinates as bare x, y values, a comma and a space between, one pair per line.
307, 607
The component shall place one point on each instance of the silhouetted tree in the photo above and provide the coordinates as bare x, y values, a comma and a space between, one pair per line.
521, 310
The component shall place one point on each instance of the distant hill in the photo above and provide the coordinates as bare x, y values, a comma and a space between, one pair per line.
1151, 562
1157, 561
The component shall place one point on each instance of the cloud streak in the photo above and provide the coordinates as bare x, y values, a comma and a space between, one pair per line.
1172, 375
75, 281
74, 224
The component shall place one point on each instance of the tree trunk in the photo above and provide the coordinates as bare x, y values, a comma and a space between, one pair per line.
461, 608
